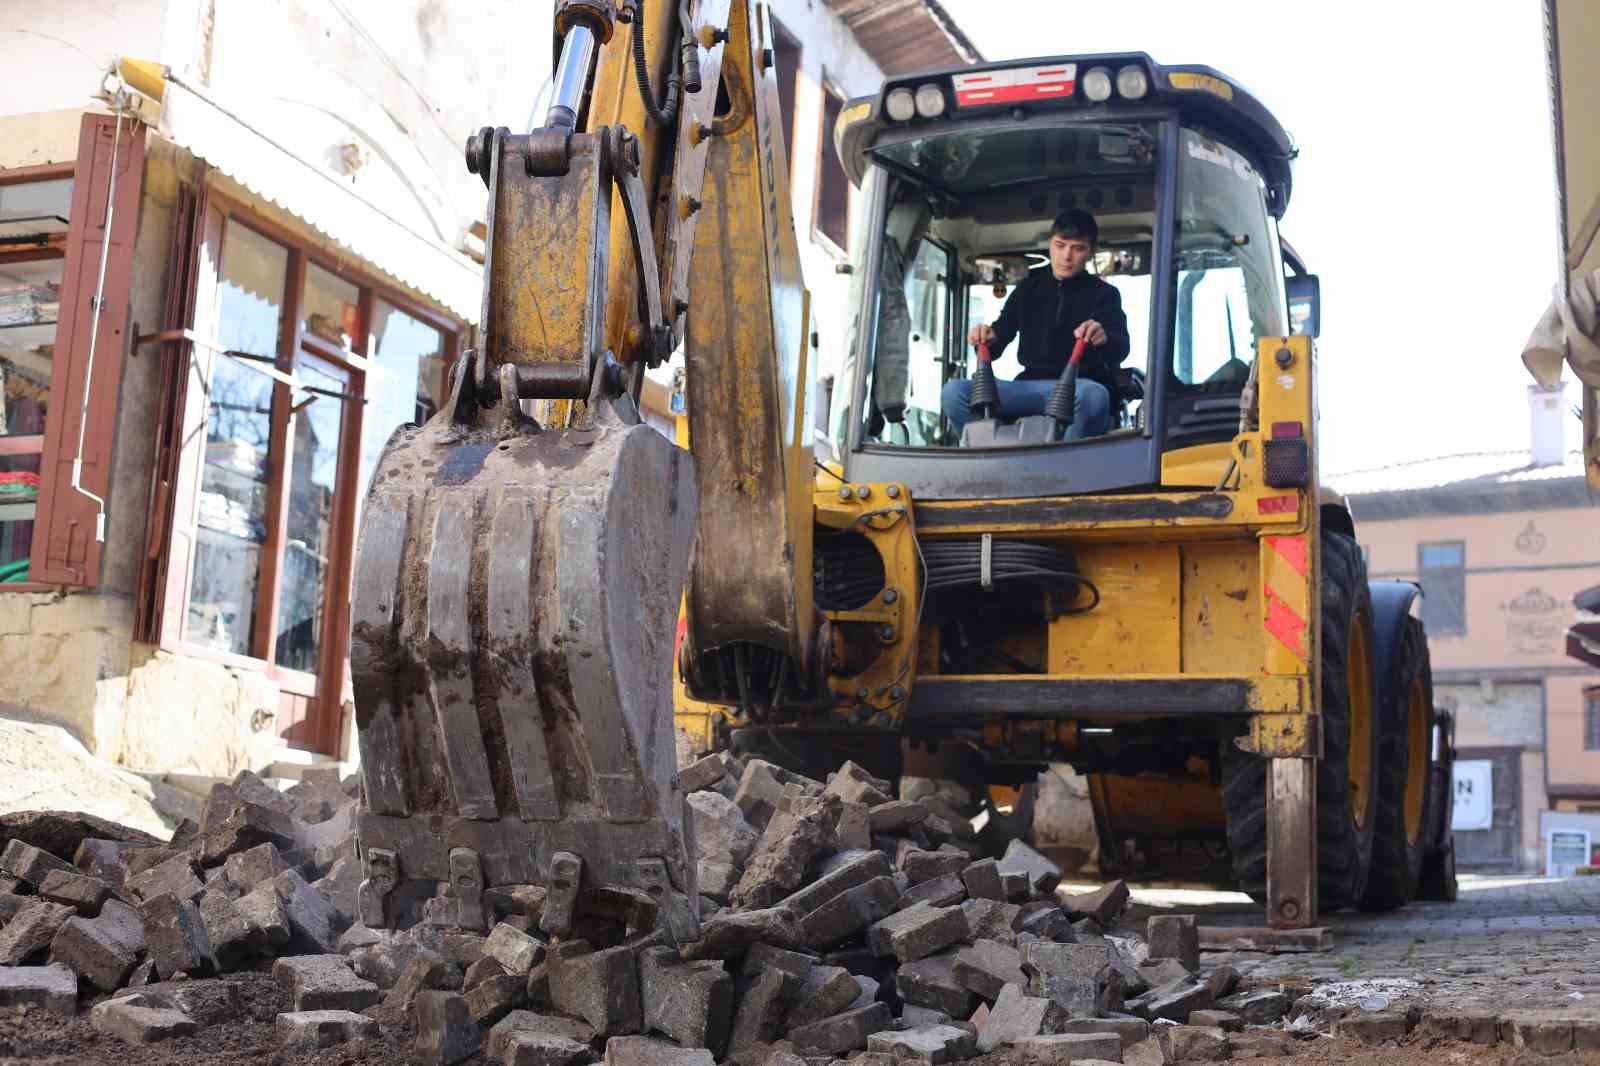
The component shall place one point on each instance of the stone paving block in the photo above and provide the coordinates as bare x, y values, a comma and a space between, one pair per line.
234, 937
29, 933
793, 838
323, 982
1379, 1027
851, 911
915, 1017
1042, 874
1128, 1029
1261, 1007
1192, 1043
494, 997
1173, 1002
989, 919
691, 1002
762, 1009
323, 1028
446, 1033
514, 950
1053, 1048
175, 937
730, 933
545, 1049
946, 890
762, 957
1017, 1016
853, 829
1048, 923
29, 864
852, 784
1158, 972
425, 970
311, 927
841, 872
987, 966
982, 879
1147, 1052
844, 1032
174, 877
1016, 884
917, 932
931, 982
128, 1019
934, 1044
208, 1001
520, 1022
920, 866
703, 772
716, 879
102, 858
645, 1051
247, 869
1217, 1019
53, 987
1174, 936
1222, 980
895, 816
601, 987
262, 909
760, 789
827, 991
1077, 977
721, 833
81, 892
244, 826
1103, 905
102, 950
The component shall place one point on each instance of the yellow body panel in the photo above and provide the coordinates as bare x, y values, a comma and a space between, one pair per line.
1136, 636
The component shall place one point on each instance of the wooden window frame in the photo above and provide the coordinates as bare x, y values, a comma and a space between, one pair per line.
323, 689
840, 252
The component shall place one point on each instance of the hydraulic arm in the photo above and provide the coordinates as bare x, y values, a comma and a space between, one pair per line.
523, 554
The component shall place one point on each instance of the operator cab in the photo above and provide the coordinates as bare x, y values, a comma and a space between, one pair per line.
962, 174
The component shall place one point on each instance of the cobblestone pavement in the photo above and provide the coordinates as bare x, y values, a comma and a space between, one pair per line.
1509, 944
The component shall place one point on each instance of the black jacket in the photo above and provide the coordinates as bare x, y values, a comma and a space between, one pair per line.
1046, 311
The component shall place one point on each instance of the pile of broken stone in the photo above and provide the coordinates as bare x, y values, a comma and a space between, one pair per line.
836, 922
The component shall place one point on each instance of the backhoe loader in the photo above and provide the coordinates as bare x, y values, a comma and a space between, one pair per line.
1170, 606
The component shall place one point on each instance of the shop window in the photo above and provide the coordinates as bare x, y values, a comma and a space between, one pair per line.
269, 432
833, 187
1591, 723
1441, 569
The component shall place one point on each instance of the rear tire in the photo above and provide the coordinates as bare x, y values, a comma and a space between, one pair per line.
1438, 880
1346, 807
1405, 775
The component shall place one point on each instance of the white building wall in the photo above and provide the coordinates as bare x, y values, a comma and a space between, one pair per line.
827, 49
56, 51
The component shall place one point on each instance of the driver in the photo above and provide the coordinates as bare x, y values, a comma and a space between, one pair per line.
1052, 309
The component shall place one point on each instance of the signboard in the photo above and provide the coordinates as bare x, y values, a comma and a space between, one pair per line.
1474, 785
1564, 851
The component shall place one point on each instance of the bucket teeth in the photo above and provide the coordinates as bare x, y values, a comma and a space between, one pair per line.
515, 603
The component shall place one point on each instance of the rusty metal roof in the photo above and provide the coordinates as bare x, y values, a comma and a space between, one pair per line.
905, 36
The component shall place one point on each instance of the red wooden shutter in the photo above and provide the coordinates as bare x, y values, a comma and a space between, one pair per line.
66, 546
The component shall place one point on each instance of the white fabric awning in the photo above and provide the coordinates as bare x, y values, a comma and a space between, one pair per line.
229, 143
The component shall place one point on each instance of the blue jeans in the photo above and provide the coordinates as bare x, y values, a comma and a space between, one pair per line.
1019, 398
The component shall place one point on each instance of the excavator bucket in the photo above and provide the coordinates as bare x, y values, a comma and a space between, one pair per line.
516, 591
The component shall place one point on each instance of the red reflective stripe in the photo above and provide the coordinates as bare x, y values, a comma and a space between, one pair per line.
1010, 93
1277, 504
1284, 623
1292, 550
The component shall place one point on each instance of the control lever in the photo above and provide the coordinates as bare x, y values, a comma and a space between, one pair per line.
985, 394
1064, 397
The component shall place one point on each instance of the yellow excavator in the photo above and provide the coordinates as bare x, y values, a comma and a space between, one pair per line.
1169, 604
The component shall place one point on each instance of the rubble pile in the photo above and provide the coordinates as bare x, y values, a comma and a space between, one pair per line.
837, 921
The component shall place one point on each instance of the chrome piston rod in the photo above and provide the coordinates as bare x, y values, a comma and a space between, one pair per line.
572, 75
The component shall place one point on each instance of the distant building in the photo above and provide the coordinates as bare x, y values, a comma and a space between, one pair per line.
1500, 543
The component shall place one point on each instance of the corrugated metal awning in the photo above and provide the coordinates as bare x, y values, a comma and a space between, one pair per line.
211, 131
906, 36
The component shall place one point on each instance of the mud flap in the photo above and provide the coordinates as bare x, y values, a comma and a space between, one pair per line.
516, 592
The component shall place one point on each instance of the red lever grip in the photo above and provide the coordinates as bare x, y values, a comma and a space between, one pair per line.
983, 353
1077, 351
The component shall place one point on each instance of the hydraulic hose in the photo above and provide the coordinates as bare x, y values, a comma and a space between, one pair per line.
665, 114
